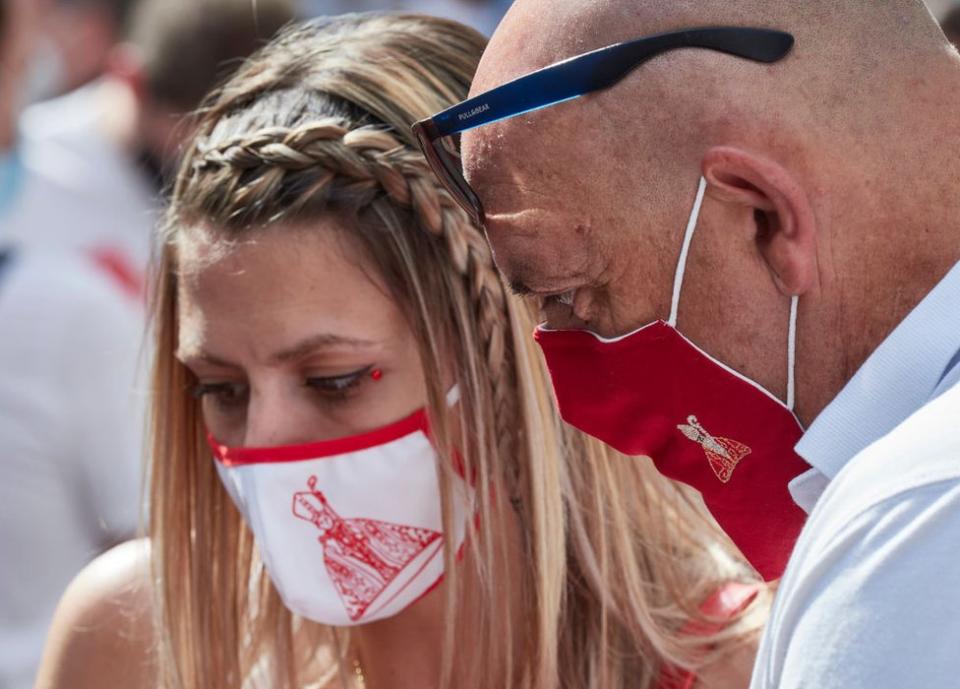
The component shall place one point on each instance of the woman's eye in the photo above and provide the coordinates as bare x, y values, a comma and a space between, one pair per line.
337, 386
224, 395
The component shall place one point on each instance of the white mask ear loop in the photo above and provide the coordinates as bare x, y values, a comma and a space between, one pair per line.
792, 353
678, 288
453, 395
684, 252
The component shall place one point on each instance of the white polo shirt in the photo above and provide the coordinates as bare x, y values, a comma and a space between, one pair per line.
871, 597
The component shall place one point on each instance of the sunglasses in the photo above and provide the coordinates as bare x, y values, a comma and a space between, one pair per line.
439, 136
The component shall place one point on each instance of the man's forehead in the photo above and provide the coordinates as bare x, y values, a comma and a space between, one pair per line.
539, 248
521, 149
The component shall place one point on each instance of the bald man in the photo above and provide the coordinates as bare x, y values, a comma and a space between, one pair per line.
765, 235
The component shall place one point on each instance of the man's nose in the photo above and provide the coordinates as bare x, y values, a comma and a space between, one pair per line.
563, 319
558, 316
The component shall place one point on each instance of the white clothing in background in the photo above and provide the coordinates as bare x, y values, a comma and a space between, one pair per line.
78, 189
71, 429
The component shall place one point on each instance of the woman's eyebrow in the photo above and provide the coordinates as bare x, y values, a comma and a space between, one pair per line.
320, 341
298, 351
186, 358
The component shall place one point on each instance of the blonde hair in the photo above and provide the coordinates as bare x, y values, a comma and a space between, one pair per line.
613, 560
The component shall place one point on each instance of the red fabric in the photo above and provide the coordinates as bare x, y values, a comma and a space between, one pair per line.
724, 604
237, 456
654, 393
362, 556
121, 271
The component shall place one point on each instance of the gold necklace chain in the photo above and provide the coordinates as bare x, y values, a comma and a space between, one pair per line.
359, 678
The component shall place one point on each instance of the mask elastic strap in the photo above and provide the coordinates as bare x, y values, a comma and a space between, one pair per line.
684, 252
678, 288
792, 353
453, 395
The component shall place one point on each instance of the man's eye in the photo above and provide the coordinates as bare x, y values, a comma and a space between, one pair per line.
564, 299
567, 297
222, 394
337, 386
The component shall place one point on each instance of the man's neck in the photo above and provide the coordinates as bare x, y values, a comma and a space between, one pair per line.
117, 114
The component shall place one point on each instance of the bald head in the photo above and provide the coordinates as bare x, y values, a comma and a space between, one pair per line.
536, 33
816, 166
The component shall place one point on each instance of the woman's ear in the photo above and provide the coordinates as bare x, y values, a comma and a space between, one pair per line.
785, 224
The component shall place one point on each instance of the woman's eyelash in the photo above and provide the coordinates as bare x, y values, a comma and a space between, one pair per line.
336, 384
230, 394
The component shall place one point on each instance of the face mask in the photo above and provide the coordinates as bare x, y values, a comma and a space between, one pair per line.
350, 530
655, 393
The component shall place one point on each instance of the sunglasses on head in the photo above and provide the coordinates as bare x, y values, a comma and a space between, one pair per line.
439, 136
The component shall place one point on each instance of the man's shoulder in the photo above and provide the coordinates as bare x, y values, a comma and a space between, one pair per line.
922, 451
872, 577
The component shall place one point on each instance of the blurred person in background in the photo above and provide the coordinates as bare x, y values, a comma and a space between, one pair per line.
93, 161
483, 15
71, 431
74, 45
71, 423
19, 26
48, 47
347, 400
67, 361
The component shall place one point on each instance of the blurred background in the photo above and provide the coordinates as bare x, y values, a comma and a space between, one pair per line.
93, 98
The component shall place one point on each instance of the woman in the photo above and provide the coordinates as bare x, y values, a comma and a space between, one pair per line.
332, 330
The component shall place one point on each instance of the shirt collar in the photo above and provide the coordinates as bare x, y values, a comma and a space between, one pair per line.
918, 361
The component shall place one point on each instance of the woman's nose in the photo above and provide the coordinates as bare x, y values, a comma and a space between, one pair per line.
275, 417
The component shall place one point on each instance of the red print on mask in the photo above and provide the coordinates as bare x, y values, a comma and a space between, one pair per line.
723, 454
362, 556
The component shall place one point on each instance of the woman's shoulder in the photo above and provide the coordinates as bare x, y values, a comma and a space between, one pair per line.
102, 634
732, 665
731, 619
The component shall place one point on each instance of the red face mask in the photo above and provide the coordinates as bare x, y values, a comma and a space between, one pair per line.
655, 393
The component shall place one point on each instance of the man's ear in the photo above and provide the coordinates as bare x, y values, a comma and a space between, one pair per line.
786, 227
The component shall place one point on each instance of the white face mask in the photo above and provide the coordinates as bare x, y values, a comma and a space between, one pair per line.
350, 530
